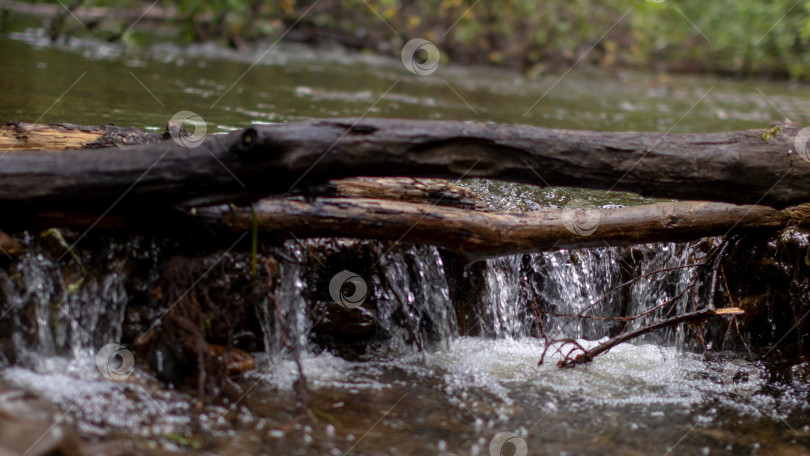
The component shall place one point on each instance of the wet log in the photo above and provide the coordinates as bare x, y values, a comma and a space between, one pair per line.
745, 167
475, 235
25, 136
413, 190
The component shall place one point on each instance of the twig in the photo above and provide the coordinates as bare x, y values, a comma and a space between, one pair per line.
588, 355
561, 343
734, 317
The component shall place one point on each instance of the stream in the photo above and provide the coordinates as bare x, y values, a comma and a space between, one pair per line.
424, 388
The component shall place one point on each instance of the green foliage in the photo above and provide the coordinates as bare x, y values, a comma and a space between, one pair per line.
771, 133
773, 34
765, 37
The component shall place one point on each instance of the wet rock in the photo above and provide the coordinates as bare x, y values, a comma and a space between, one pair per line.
467, 285
31, 428
336, 320
755, 307
9, 245
237, 361
801, 372
196, 306
769, 277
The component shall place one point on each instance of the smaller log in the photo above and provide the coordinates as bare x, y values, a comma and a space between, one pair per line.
590, 354
476, 235
440, 192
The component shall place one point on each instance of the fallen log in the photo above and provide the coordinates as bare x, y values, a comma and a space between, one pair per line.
474, 235
430, 191
58, 136
745, 167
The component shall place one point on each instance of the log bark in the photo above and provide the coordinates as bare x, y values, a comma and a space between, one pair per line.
24, 136
746, 167
475, 235
413, 190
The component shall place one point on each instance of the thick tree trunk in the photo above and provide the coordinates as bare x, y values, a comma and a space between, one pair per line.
747, 167
476, 235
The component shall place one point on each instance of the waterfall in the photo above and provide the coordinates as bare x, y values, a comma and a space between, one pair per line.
413, 299
563, 282
523, 291
50, 309
408, 301
284, 314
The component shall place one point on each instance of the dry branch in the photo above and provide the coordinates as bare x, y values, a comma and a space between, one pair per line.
590, 354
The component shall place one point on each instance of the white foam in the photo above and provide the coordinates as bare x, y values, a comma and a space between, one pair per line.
321, 371
628, 375
77, 387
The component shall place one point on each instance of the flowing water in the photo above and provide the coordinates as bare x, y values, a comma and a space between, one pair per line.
421, 387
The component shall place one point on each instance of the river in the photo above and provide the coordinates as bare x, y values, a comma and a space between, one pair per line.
460, 394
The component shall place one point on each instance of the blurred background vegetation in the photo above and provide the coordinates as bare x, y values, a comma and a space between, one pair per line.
724, 36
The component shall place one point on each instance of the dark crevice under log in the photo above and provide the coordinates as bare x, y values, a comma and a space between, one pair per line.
474, 234
742, 167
